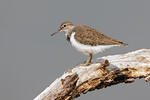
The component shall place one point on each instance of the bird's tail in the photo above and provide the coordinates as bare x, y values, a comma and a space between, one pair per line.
122, 44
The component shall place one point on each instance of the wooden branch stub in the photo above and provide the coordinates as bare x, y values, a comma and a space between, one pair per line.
116, 69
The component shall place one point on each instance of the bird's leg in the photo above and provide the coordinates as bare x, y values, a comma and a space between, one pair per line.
89, 59
88, 62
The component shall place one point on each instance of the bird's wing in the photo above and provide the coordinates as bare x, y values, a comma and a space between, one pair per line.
89, 36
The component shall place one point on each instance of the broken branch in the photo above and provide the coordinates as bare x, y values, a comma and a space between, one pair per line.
109, 70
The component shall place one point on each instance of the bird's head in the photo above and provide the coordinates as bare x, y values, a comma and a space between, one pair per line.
64, 27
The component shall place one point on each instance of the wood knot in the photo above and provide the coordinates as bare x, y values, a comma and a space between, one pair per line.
105, 63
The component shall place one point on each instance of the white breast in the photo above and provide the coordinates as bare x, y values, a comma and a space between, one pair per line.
86, 49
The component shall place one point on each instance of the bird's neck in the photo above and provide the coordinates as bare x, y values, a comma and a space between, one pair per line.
68, 32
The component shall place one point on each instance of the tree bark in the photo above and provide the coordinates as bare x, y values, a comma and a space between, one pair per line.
107, 71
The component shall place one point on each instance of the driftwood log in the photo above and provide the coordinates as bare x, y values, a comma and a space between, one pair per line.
107, 71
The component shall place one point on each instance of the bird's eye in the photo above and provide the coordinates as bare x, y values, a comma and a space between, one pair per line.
65, 25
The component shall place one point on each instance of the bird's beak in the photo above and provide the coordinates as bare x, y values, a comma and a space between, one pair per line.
56, 32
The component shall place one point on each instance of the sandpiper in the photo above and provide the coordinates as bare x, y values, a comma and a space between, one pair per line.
87, 40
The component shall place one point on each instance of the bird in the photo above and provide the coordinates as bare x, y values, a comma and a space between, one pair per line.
87, 40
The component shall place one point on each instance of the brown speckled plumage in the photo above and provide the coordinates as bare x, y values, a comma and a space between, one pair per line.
89, 36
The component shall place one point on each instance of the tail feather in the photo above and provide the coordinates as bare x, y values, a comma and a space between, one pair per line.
122, 44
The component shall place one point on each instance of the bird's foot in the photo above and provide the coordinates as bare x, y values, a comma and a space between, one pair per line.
85, 64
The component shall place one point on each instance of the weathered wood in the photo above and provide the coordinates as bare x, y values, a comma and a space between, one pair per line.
107, 71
